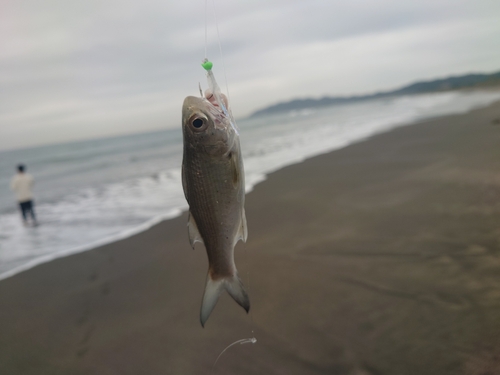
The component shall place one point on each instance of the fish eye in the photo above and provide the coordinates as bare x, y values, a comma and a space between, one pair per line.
197, 123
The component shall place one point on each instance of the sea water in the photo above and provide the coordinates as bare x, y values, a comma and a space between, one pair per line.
94, 192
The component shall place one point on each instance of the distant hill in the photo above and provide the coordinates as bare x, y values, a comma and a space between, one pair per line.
444, 84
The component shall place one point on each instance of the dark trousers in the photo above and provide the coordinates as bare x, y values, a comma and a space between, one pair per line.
27, 208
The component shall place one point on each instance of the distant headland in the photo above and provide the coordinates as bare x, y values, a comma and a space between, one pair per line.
438, 85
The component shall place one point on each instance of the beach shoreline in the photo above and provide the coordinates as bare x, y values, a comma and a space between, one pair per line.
111, 206
172, 212
379, 257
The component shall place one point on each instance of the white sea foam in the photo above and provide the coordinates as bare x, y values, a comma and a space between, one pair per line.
107, 201
89, 218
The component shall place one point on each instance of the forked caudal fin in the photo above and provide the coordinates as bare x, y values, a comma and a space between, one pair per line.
214, 288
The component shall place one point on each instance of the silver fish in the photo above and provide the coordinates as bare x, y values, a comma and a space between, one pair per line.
214, 186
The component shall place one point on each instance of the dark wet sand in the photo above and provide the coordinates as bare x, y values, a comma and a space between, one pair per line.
382, 258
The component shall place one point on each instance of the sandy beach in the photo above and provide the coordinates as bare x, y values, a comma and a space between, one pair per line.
380, 258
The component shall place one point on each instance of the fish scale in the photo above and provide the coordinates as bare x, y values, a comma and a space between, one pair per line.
209, 209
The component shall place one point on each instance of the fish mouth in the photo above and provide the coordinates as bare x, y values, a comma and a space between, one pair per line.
195, 105
202, 107
219, 118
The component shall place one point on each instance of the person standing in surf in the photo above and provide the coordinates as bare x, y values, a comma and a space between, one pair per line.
22, 185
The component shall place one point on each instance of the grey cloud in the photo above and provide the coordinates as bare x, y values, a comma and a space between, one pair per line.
83, 69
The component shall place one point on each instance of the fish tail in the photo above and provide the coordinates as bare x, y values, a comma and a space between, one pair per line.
214, 288
235, 288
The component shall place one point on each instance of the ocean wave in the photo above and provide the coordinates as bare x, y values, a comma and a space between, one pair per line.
115, 202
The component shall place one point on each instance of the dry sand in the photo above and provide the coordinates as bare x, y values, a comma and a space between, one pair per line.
381, 258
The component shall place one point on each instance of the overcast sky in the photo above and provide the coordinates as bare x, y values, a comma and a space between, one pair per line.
84, 69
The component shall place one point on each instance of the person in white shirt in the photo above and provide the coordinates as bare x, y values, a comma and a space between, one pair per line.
22, 185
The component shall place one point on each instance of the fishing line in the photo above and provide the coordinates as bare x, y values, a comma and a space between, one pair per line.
251, 340
249, 291
220, 49
218, 40
206, 28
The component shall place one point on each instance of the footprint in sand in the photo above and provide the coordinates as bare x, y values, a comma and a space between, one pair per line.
94, 276
83, 318
105, 288
81, 352
83, 344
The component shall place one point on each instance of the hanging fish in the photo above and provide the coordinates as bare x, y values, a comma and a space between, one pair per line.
214, 186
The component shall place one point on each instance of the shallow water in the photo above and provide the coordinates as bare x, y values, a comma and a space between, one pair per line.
93, 192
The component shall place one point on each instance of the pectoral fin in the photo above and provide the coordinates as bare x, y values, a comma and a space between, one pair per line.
194, 234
